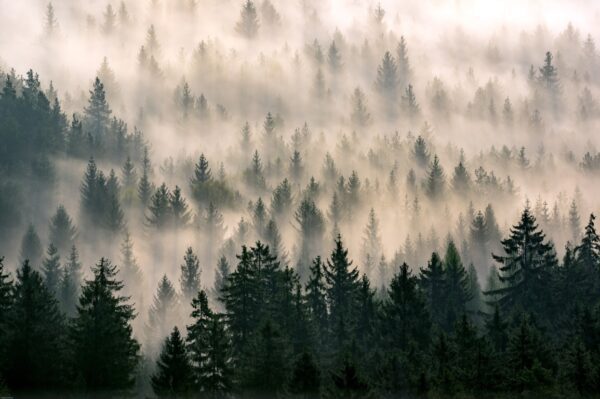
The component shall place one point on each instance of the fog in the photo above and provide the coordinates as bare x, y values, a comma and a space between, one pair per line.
466, 58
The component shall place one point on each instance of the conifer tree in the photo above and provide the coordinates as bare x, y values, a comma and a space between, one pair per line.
525, 269
360, 115
316, 300
105, 352
248, 25
97, 113
221, 274
31, 247
432, 279
306, 377
190, 275
145, 186
179, 209
334, 59
173, 377
129, 266
435, 185
281, 200
421, 152
34, 336
387, 77
51, 270
457, 285
409, 103
62, 230
163, 312
51, 23
404, 69
159, 209
461, 180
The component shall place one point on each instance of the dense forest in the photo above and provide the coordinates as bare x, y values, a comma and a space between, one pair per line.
307, 199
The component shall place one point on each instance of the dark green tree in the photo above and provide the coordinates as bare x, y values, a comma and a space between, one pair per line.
190, 275
31, 247
52, 270
173, 377
62, 231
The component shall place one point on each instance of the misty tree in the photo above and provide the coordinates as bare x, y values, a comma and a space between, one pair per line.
247, 25
190, 275
34, 336
70, 283
179, 209
254, 176
105, 358
273, 239
457, 284
420, 152
360, 115
152, 44
51, 24
145, 186
97, 113
173, 377
31, 247
507, 113
548, 76
436, 181
310, 225
574, 221
51, 270
461, 179
387, 77
269, 15
281, 200
129, 179
129, 266
62, 231
200, 182
404, 69
110, 18
221, 274
162, 313
371, 246
409, 103
319, 86
159, 208
334, 59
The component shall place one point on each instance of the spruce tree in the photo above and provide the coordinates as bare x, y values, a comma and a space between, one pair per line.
221, 274
97, 113
316, 300
342, 290
31, 247
248, 25
145, 186
179, 209
34, 336
387, 77
461, 180
159, 209
105, 353
51, 270
173, 377
433, 281
435, 185
6, 299
360, 115
62, 230
457, 284
306, 377
190, 275
162, 314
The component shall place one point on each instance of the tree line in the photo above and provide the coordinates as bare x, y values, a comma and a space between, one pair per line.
430, 330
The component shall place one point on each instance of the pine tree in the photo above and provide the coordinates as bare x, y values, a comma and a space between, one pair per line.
574, 221
221, 274
6, 300
311, 225
51, 269
105, 352
173, 377
190, 275
296, 167
97, 113
404, 69
281, 200
409, 103
316, 300
334, 59
163, 312
525, 269
421, 152
306, 377
179, 209
248, 24
387, 77
371, 247
342, 288
461, 180
360, 115
548, 78
159, 208
51, 24
436, 183
31, 247
432, 279
34, 336
62, 231
145, 186
457, 286
201, 181
129, 267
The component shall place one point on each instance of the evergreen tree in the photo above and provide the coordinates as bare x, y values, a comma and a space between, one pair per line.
97, 113
34, 336
190, 275
159, 208
130, 268
281, 200
404, 69
342, 290
525, 269
435, 185
31, 247
306, 377
62, 230
51, 269
421, 152
221, 274
316, 300
458, 285
51, 23
432, 279
179, 209
461, 180
409, 103
173, 377
6, 299
387, 77
371, 247
334, 59
145, 186
360, 115
248, 24
105, 352
163, 312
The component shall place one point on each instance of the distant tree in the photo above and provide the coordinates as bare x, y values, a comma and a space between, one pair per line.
105, 352
221, 274
360, 115
31, 247
51, 269
179, 209
548, 78
129, 266
97, 113
409, 103
461, 180
159, 209
435, 185
334, 59
248, 24
190, 275
51, 25
173, 377
62, 230
281, 200
162, 314
70, 283
432, 279
372, 246
387, 77
421, 152
145, 186
404, 69
110, 18
269, 15
311, 226
296, 167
